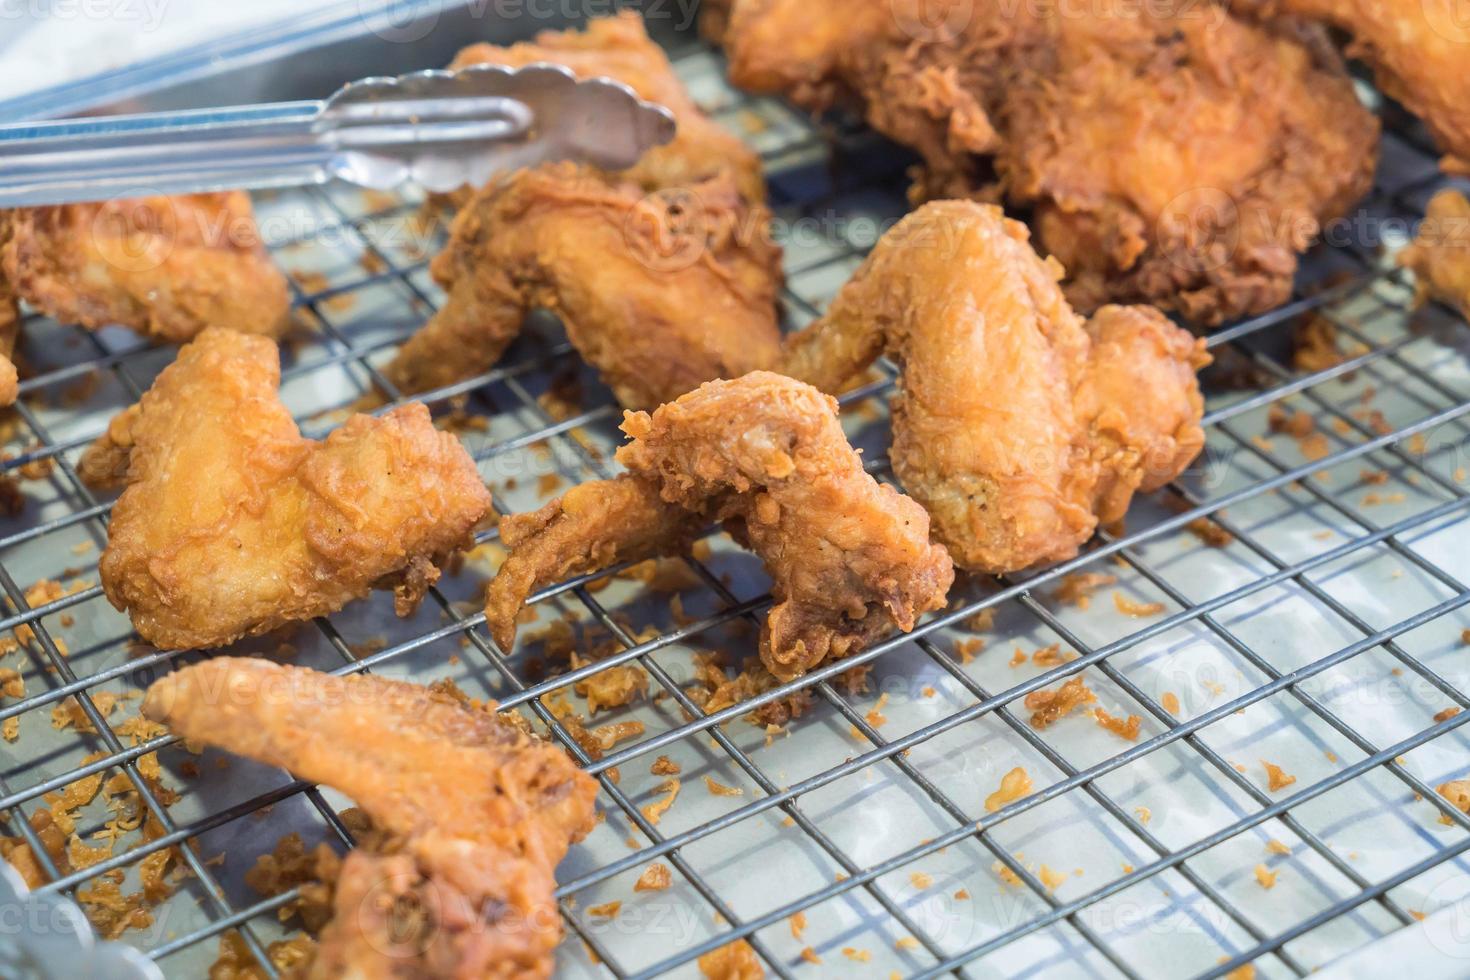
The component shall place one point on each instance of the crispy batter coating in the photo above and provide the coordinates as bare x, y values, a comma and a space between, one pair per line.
1169, 152
166, 266
849, 558
590, 527
1420, 51
658, 292
1020, 427
1440, 254
479, 813
233, 524
619, 48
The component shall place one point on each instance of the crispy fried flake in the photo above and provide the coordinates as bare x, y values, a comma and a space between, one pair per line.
1047, 706
733, 961
1013, 785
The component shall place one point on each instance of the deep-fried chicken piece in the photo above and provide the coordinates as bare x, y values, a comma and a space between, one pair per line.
1440, 254
478, 812
849, 558
166, 266
591, 527
1019, 426
658, 292
1420, 50
9, 333
619, 48
233, 524
1169, 152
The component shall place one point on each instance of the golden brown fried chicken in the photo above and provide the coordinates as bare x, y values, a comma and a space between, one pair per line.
233, 524
1169, 152
1019, 427
591, 527
9, 333
166, 266
1440, 254
1420, 50
479, 813
658, 292
618, 47
849, 558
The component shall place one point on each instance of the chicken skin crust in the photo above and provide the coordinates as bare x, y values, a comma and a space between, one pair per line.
658, 292
9, 333
168, 267
1420, 52
1440, 254
232, 524
1019, 426
849, 558
619, 48
476, 812
1169, 152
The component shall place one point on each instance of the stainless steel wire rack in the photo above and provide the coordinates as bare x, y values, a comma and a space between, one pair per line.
1317, 622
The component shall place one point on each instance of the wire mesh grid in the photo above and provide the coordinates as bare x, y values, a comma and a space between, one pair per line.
1296, 600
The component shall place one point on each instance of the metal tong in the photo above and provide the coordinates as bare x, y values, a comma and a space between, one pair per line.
440, 129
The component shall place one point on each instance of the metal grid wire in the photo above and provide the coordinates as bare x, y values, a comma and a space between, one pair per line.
1323, 634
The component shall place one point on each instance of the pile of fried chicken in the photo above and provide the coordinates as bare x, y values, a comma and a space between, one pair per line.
1171, 158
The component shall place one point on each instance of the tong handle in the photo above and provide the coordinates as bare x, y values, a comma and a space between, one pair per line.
442, 129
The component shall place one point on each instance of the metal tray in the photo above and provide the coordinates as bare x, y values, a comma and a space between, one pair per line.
1323, 638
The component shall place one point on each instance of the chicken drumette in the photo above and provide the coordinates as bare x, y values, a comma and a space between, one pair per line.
659, 291
476, 812
1020, 427
1168, 152
849, 558
233, 524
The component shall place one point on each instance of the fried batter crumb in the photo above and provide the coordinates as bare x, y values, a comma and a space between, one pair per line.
1265, 877
1123, 729
1447, 714
905, 942
857, 955
655, 878
1047, 706
1170, 701
1131, 607
653, 812
1052, 656
810, 956
1006, 874
1018, 658
966, 649
719, 789
1013, 785
1210, 533
236, 962
1243, 972
1276, 778
1274, 846
1077, 589
981, 622
733, 961
921, 881
607, 910
1051, 879
664, 766
611, 687
797, 921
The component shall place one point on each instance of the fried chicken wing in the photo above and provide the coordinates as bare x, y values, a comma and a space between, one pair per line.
167, 267
1019, 426
619, 48
658, 292
1170, 152
477, 812
1440, 254
590, 527
233, 524
848, 557
1420, 50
